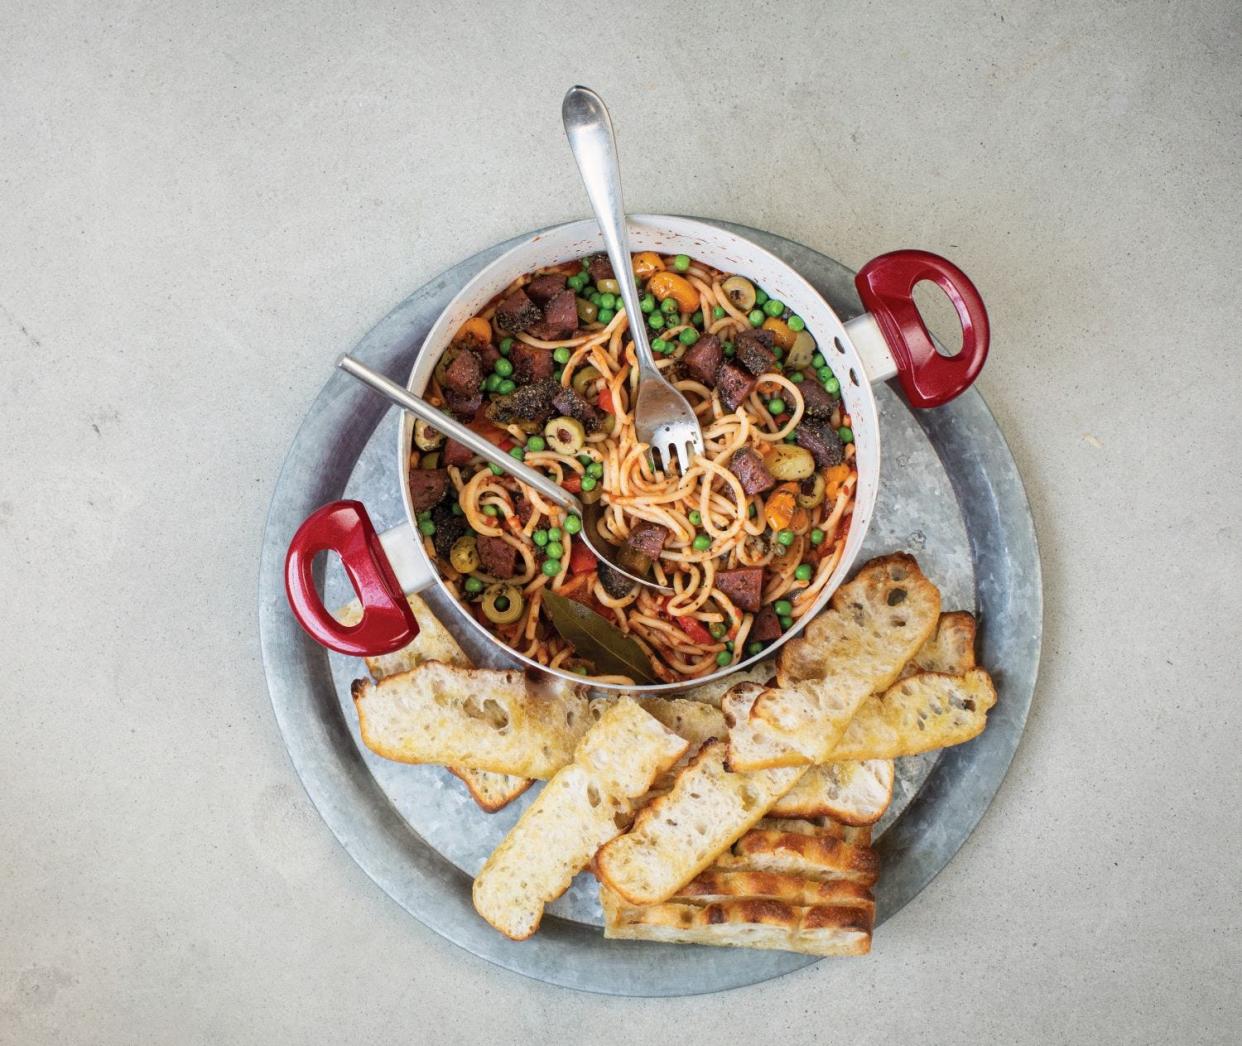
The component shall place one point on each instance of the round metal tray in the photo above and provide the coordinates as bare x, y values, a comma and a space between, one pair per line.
949, 493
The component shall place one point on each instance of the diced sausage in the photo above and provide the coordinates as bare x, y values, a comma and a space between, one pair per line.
497, 557
702, 359
766, 626
744, 587
648, 538
754, 350
524, 509
734, 385
465, 374
600, 268
488, 355
517, 312
817, 401
531, 403
427, 487
616, 584
463, 407
751, 472
448, 529
822, 440
456, 453
542, 289
529, 363
571, 405
560, 318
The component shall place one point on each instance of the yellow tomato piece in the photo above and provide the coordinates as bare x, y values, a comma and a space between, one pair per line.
477, 329
781, 334
670, 285
779, 509
646, 263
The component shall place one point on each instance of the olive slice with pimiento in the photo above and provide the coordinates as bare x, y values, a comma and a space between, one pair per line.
465, 555
565, 435
740, 291
503, 603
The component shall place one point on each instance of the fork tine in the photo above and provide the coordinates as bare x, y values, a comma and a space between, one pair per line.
654, 451
685, 452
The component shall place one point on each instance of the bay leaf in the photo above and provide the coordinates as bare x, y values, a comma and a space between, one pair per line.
598, 640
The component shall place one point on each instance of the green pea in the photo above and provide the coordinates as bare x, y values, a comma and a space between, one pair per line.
507, 385
670, 307
824, 374
558, 372
605, 316
756, 317
596, 469
647, 302
718, 312
505, 345
577, 281
783, 607
702, 543
588, 483
551, 567
779, 353
697, 318
817, 536
791, 438
753, 510
655, 321
846, 433
659, 346
796, 324
491, 383
595, 298
785, 537
540, 537
773, 307
585, 459
689, 336
573, 524
503, 367
456, 509
496, 471
717, 629
490, 510
474, 585
729, 645
754, 648
425, 514
786, 621
776, 405
554, 533
832, 384
818, 361
724, 658
562, 355
696, 517
797, 377
804, 572
517, 452
761, 297
682, 262
586, 262
426, 527
608, 300
555, 550
728, 348
536, 444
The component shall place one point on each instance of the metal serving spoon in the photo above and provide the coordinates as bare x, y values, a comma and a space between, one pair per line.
447, 426
662, 417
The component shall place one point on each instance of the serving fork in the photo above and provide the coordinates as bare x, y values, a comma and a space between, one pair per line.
663, 419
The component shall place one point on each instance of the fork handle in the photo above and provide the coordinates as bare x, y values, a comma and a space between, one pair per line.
591, 140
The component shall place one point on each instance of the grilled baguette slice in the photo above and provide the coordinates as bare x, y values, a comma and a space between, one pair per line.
853, 792
434, 642
576, 813
951, 648
715, 885
855, 835
816, 857
679, 834
877, 622
475, 718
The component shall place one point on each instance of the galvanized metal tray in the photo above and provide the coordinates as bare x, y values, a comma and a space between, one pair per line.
949, 492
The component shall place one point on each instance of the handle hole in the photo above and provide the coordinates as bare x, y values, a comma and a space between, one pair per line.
939, 317
328, 564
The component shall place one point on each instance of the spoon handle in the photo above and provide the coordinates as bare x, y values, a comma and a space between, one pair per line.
589, 130
453, 429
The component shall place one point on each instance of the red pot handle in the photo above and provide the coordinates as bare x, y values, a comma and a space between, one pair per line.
345, 528
886, 286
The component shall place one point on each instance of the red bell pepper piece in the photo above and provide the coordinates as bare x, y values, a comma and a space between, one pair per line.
694, 629
604, 402
573, 483
581, 559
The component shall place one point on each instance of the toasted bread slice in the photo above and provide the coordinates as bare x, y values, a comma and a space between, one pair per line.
816, 857
748, 923
477, 718
919, 714
951, 648
853, 792
679, 834
877, 622
693, 720
434, 642
714, 885
576, 813
711, 693
855, 835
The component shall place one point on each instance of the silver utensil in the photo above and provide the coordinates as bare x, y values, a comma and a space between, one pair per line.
453, 429
662, 417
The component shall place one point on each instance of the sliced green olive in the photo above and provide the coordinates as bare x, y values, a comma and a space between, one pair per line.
430, 460
800, 353
583, 378
442, 364
565, 435
465, 555
637, 563
790, 462
741, 292
586, 311
608, 423
503, 603
608, 286
425, 437
811, 491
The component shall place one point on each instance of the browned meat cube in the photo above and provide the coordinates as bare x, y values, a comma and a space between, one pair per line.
754, 350
529, 363
497, 558
463, 407
464, 375
702, 359
766, 626
734, 385
427, 488
542, 289
560, 318
517, 312
744, 587
571, 405
488, 355
524, 509
822, 440
817, 401
530, 403
648, 538
456, 453
600, 268
751, 472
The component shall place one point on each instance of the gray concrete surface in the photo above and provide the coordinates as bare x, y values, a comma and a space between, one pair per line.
201, 206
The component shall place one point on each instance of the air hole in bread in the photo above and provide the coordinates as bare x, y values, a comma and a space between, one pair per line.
897, 595
593, 795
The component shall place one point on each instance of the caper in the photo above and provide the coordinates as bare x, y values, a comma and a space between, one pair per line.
586, 311
608, 286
